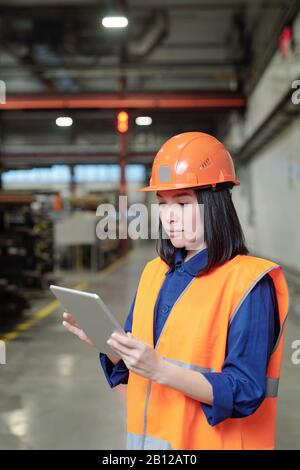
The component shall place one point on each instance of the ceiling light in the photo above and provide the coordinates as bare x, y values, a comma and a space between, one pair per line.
115, 22
143, 121
64, 121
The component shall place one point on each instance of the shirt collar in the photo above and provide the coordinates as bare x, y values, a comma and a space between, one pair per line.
193, 265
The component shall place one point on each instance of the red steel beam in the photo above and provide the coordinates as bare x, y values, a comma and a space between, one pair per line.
128, 101
74, 154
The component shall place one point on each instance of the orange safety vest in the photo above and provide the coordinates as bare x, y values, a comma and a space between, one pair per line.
194, 337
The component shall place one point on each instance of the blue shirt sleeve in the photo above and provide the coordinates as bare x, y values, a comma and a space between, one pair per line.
117, 373
240, 388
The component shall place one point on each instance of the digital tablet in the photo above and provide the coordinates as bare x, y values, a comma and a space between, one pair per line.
91, 313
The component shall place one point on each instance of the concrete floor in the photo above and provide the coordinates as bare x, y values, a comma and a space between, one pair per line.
54, 394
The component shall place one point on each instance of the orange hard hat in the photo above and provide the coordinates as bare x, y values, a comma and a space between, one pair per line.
189, 160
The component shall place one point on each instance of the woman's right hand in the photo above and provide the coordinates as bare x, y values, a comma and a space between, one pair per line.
70, 324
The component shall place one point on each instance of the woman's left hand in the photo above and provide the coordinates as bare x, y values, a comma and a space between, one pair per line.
138, 356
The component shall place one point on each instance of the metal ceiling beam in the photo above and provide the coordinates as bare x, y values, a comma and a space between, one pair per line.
39, 159
135, 6
129, 101
132, 66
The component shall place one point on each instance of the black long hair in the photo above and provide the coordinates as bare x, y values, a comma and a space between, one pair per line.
223, 233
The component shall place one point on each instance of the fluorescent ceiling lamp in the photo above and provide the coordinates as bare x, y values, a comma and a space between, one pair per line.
64, 121
143, 121
115, 22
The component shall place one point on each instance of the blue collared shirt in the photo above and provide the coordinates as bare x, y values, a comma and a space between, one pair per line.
239, 388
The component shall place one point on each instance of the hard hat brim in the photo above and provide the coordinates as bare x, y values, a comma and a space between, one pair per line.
166, 187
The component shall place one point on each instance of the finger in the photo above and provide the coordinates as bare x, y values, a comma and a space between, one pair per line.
67, 316
78, 332
71, 328
127, 359
127, 341
122, 356
82, 335
119, 347
70, 319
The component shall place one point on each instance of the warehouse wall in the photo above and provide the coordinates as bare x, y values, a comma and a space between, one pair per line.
268, 199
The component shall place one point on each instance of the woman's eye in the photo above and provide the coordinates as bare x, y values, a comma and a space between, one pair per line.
179, 203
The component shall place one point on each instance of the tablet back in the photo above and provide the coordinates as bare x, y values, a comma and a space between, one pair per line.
91, 313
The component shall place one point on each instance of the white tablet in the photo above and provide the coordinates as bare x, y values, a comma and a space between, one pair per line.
91, 313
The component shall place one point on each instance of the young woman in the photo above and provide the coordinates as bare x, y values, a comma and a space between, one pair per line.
204, 335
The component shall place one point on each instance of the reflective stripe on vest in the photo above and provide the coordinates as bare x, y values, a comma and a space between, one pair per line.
139, 442
272, 383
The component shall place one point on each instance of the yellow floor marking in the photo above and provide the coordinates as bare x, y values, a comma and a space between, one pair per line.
54, 305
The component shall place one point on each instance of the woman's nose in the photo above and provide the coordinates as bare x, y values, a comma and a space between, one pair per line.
170, 217
172, 213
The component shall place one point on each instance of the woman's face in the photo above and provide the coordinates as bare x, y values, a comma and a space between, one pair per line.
182, 218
